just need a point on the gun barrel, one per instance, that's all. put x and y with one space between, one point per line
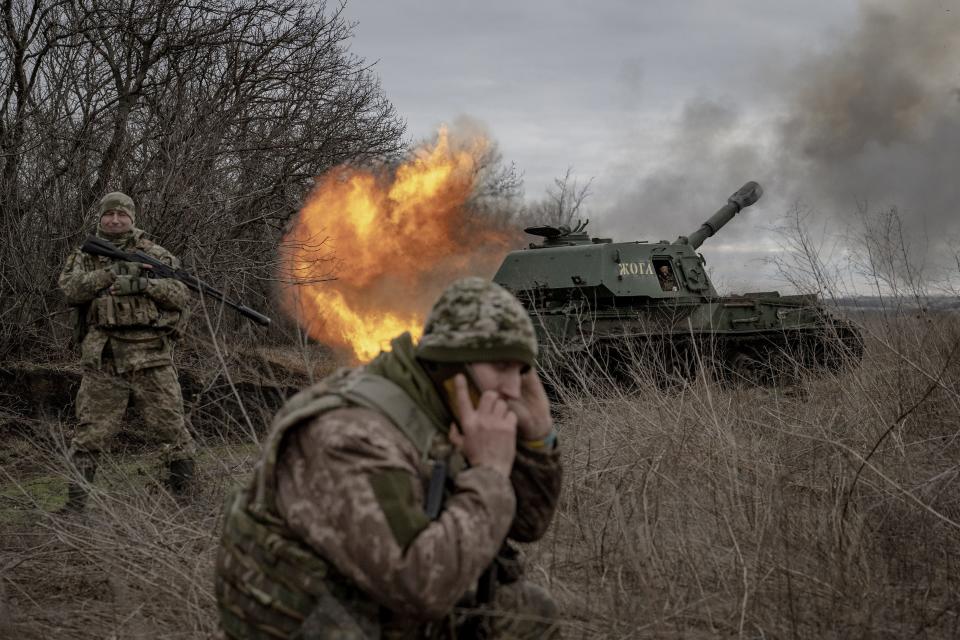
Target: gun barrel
743 198
256 316
99 247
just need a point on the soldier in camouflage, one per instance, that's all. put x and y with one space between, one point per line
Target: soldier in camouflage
128 326
666 278
385 495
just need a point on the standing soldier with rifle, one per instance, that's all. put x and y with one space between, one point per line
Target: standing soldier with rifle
127 324
385 495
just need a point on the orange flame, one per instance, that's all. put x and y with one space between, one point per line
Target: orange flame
399 236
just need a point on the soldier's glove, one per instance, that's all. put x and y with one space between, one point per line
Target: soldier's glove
124 268
129 285
103 278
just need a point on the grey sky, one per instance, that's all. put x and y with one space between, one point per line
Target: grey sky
670 106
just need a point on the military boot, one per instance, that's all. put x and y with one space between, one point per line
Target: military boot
77 492
181 476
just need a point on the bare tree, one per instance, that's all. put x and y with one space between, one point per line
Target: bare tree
214 116
887 258
807 257
562 204
498 190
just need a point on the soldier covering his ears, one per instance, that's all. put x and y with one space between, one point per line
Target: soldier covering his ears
129 324
384 495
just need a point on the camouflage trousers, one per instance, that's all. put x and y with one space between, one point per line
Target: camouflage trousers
521 611
103 399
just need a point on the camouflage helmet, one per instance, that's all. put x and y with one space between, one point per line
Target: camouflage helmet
475 320
120 201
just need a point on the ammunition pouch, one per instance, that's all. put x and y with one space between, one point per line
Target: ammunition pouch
269 584
129 354
122 311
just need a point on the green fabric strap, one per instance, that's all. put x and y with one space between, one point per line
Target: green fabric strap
400 366
307 404
393 385
393 489
383 396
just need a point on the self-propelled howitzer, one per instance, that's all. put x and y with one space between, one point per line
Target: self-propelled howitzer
627 303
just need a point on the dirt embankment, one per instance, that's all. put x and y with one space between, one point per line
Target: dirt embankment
226 398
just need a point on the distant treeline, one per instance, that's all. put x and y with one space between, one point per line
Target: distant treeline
929 303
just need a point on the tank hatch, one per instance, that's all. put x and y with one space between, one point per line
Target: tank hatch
561 236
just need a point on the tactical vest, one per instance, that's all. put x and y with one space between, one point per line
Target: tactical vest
270 584
114 312
126 312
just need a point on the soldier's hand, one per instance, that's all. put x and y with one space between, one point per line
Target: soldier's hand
108 275
132 269
129 285
489 430
534 421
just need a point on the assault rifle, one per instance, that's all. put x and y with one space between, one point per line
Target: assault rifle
99 247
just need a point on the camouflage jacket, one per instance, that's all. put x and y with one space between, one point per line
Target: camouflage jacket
329 491
346 489
136 328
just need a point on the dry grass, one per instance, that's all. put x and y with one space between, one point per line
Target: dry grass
701 511
709 512
136 565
